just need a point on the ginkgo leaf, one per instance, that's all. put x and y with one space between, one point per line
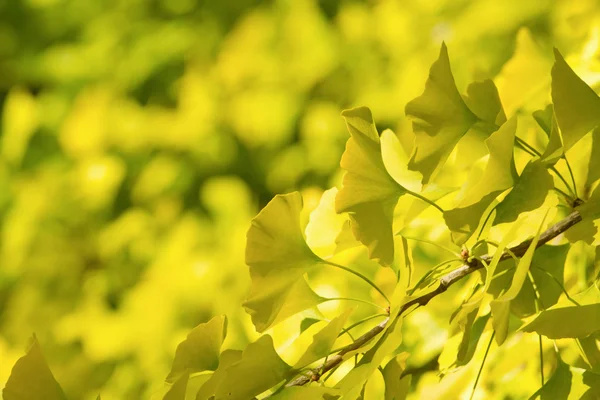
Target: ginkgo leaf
440 118
368 193
345 239
566 322
179 388
558 386
524 78
554 149
259 369
31 378
323 341
278 257
585 230
470 339
590 351
528 194
304 393
226 359
591 208
576 105
593 169
396 386
500 174
324 225
501 305
483 100
396 160
200 350
544 118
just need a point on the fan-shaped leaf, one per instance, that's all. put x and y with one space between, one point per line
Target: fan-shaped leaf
177 391
501 306
483 100
500 174
31 378
440 118
396 386
278 258
558 386
369 193
566 322
528 193
576 105
227 359
323 341
259 369
200 350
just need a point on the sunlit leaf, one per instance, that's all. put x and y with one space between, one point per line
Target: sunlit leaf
591 208
305 393
585 231
483 100
554 149
259 369
396 160
566 322
227 359
501 305
470 339
323 341
558 386
500 174
278 258
576 105
590 351
396 386
345 239
440 118
324 225
31 378
369 193
179 388
307 323
593 168
528 193
200 350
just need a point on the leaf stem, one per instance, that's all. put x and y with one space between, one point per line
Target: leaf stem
486 221
425 199
361 276
482 364
541 360
362 321
439 246
559 284
353 299
572 176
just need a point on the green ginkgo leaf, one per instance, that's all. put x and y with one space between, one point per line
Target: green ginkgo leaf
547 121
259 369
558 386
566 322
500 174
473 330
200 350
278 257
528 194
396 385
226 359
501 305
576 105
179 388
323 341
304 393
483 100
440 119
31 378
369 193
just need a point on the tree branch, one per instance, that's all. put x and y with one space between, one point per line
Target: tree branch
444 283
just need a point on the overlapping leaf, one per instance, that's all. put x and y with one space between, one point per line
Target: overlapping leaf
396 386
566 322
323 341
278 258
440 118
500 174
528 194
369 193
501 305
259 369
576 105
558 386
31 378
200 350
226 359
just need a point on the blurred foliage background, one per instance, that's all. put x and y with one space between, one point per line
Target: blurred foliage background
138 138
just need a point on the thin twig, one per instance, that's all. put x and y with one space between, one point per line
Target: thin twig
444 283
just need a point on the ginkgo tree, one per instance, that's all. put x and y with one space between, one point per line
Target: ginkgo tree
511 230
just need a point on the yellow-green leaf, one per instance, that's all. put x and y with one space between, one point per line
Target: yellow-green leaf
576 105
500 174
440 118
566 322
323 341
226 359
200 350
558 386
278 257
177 391
305 393
501 306
528 193
259 369
31 378
396 386
483 100
369 193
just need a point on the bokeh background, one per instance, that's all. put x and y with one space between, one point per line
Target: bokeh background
139 137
